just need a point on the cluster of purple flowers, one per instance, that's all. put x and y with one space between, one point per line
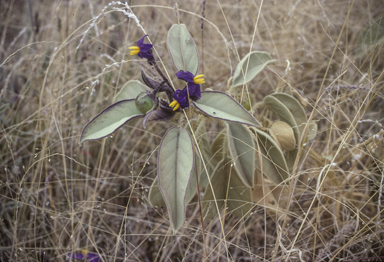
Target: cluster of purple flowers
190 91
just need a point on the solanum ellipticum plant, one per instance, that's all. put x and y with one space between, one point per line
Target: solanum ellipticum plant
224 169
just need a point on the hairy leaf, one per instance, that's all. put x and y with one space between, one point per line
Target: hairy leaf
130 90
174 168
242 149
271 196
156 198
273 163
295 108
227 186
221 106
200 131
110 119
218 147
251 65
285 115
182 48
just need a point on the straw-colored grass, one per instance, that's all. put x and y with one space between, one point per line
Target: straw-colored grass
57 197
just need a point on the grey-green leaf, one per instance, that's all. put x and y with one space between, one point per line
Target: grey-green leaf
200 131
110 119
285 115
225 179
242 149
273 162
221 106
218 147
251 65
130 90
174 166
182 48
209 162
296 109
156 198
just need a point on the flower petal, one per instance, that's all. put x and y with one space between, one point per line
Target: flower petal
186 76
141 41
194 91
181 96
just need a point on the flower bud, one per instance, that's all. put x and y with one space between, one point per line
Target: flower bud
283 134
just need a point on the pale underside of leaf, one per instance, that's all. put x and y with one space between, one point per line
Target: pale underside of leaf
250 66
285 115
295 108
221 106
242 149
110 119
156 198
273 164
200 132
226 186
218 146
175 162
182 48
130 90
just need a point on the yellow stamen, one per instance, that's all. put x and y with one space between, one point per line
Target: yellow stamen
84 252
134 50
199 79
175 105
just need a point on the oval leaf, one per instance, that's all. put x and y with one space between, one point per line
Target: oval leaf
226 181
252 64
156 198
218 147
209 162
242 149
296 109
182 48
221 106
174 166
273 162
285 115
130 90
200 131
110 119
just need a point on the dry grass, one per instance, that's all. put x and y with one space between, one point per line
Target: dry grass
57 197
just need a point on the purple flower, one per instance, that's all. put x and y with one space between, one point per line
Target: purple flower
142 50
85 255
192 89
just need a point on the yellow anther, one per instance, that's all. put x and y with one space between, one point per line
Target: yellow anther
175 105
84 252
199 79
134 50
